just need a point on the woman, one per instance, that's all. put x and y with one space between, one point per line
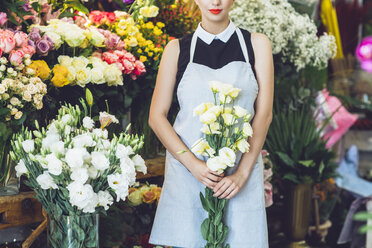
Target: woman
219 51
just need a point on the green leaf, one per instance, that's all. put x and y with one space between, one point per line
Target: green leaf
362 216
222 204
218 218
204 202
205 228
321 167
78 6
307 163
291 177
286 159
365 229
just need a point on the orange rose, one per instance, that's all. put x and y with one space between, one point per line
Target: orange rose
149 196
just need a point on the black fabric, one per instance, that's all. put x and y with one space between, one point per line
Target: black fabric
216 55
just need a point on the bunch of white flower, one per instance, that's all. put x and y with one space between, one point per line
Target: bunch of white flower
230 124
60 32
78 161
19 88
84 70
291 34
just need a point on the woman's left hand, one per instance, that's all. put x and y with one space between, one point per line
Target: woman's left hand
229 186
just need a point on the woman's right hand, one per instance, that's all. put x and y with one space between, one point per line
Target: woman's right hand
204 175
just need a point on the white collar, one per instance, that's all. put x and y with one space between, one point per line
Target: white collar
208 37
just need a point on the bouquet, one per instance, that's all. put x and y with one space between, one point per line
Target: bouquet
226 128
75 169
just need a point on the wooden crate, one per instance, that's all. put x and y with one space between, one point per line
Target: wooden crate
21 209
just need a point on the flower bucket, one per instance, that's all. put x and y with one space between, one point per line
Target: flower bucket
73 231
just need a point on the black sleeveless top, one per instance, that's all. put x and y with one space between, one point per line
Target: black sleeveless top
215 55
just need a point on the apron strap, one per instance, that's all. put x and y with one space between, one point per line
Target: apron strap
192 47
242 44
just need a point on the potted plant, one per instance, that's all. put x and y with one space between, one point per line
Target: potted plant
300 159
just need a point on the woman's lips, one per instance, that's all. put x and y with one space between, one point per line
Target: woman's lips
215 11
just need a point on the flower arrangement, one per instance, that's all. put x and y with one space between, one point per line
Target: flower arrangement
226 128
144 194
292 35
364 54
74 167
81 71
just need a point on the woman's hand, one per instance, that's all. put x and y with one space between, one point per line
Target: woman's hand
229 186
204 175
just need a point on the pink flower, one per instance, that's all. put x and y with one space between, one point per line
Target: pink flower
130 57
110 57
20 39
112 41
7 43
267 174
15 57
120 66
1 52
97 17
29 50
3 18
120 45
128 66
120 53
111 17
268 194
139 68
264 153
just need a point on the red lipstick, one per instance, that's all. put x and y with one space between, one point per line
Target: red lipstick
215 11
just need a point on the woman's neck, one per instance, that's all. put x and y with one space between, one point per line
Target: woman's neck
215 27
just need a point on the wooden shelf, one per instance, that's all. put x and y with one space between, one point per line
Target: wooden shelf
155 168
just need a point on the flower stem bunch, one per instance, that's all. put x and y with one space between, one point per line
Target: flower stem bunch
226 127
73 166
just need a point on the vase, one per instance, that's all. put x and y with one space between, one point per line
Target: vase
9 183
298 208
73 231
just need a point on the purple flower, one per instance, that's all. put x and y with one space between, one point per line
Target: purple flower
49 40
364 50
42 47
31 43
3 18
128 1
34 35
112 41
27 6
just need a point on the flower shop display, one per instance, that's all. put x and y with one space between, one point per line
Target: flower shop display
21 94
76 171
292 35
226 128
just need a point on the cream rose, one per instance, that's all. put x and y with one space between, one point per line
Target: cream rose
201 108
200 146
216 164
247 130
97 76
243 145
240 112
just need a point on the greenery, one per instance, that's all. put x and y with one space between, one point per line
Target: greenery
296 146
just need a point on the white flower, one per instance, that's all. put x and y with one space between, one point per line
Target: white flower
200 146
66 119
106 119
247 130
49 140
82 76
139 164
83 140
105 199
56 39
58 147
97 76
21 168
28 145
88 122
46 181
65 60
73 38
79 175
75 157
92 172
228 155
119 183
234 92
240 112
214 127
123 151
216 164
99 161
201 108
128 169
83 196
243 145
208 117
54 164
229 119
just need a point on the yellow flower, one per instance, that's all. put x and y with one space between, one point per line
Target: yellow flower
135 197
149 11
160 24
149 25
150 54
157 31
139 50
60 76
143 59
41 68
132 42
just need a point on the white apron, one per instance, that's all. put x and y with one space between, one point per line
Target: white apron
180 214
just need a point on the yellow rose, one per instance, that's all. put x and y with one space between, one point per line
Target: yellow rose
18 115
41 69
60 76
149 11
143 59
135 197
132 42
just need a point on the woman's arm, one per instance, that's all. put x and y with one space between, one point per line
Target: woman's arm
160 104
231 185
